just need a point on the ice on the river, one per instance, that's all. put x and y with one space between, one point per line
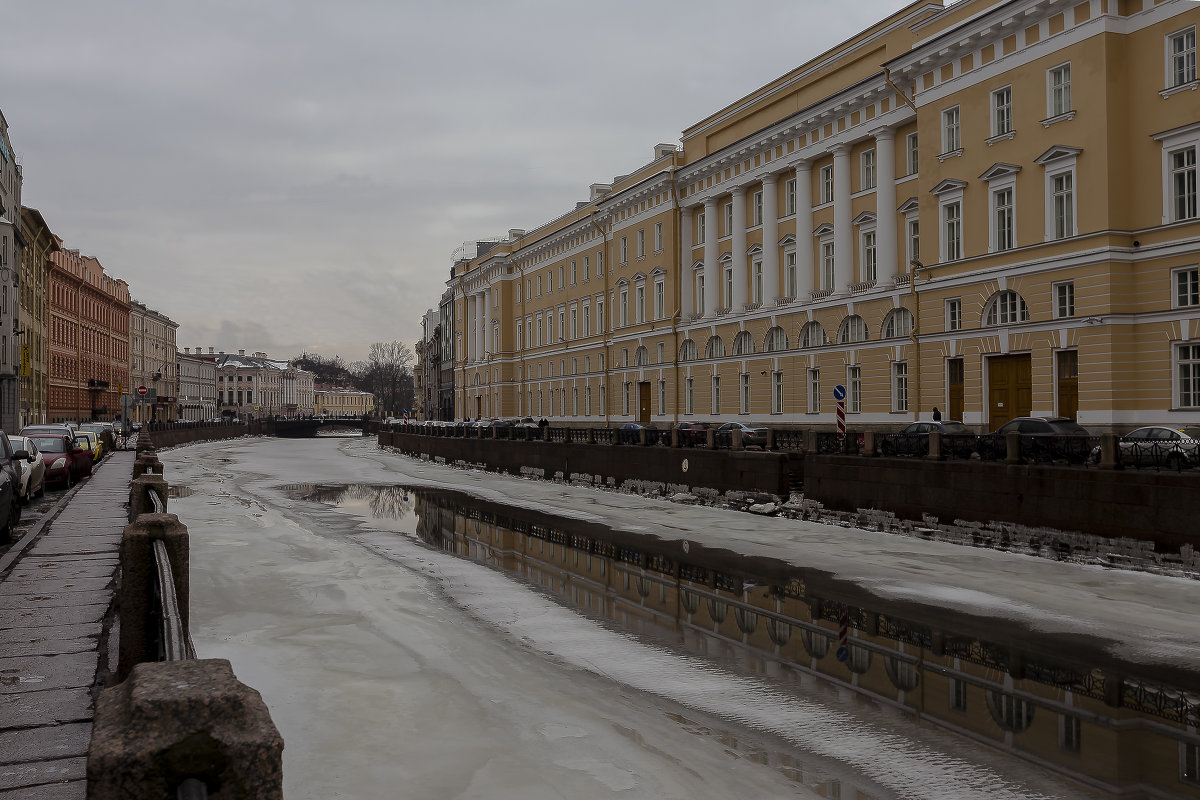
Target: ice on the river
394 670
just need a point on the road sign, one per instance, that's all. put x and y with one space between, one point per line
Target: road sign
839 394
142 390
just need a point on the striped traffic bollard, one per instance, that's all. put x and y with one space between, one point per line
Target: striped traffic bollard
843 651
839 394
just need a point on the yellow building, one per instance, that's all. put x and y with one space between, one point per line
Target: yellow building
989 207
344 403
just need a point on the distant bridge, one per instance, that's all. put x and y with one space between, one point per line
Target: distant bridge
307 428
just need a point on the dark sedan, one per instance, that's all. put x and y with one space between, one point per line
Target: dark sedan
914 439
752 435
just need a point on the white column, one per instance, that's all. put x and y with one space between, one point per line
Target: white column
477 331
489 340
738 301
885 206
686 284
804 231
712 270
843 228
483 325
770 244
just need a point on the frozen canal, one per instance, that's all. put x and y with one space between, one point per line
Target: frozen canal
394 669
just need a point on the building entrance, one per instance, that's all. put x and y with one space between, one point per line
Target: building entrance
1010 388
644 402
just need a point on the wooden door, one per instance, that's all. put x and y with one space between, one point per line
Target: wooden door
955 381
1010 388
1068 383
644 402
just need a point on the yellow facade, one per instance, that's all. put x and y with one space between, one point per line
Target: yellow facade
990 208
344 403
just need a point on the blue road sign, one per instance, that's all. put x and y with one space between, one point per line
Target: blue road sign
843 654
839 392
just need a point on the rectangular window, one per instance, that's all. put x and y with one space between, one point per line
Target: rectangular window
745 393
827 184
599 316
1182 49
776 392
716 394
789 272
789 197
700 228
729 219
757 277
689 396
641 243
952 227
600 264
628 396
913 153
1063 189
954 314
958 694
1183 184
1002 111
1064 300
662 396
1002 211
1187 287
562 282
658 237
700 292
1068 733
951 136
624 250
1189 376
549 282
574 323
640 303
866 162
758 208
660 299
814 391
574 273
900 386
914 240
624 308
1189 762
854 389
660 354
587 320
827 265
870 264
539 285
1059 99
728 287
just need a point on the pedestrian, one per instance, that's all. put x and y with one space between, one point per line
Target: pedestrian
937 415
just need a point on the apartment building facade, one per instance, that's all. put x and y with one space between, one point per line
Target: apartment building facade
153 364
38 243
336 402
10 270
197 386
988 207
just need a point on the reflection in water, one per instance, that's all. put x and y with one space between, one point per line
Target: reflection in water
1117 735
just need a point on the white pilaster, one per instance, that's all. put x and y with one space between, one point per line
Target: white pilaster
804 231
843 228
686 284
885 206
712 270
738 301
770 243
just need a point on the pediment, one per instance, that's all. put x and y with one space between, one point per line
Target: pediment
1056 152
949 185
865 218
1000 170
910 205
823 230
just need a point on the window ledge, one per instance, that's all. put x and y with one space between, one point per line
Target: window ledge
951 154
1000 138
1183 87
1067 117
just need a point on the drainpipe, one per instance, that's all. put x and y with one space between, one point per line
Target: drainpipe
887 77
917 266
604 337
680 272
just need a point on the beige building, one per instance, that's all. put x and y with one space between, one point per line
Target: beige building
257 386
197 386
38 242
10 270
333 402
988 207
153 364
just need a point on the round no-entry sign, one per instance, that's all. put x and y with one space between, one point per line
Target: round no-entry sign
142 390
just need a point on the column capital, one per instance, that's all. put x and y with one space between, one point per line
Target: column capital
883 134
802 165
710 202
770 177
739 190
840 149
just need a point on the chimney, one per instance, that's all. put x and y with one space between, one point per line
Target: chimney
187 351
241 352
210 351
598 190
515 233
663 151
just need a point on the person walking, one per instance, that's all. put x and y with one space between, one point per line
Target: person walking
937 415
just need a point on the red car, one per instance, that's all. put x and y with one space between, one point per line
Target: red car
66 461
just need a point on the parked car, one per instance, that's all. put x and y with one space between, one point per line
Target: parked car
32 479
693 434
1042 439
630 432
66 462
914 439
752 435
1170 446
93 443
10 501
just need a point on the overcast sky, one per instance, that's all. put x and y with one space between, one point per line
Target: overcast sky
294 176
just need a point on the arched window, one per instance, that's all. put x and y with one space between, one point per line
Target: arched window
715 348
813 335
642 357
1011 713
1006 308
853 329
899 322
902 674
817 644
743 344
687 351
776 340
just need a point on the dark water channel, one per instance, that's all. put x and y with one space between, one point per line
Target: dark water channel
1118 729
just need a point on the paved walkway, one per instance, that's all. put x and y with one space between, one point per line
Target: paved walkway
56 586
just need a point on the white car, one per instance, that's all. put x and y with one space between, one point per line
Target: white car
32 482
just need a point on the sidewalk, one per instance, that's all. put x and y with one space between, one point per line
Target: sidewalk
56 587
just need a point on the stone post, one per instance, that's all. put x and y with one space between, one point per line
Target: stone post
1012 444
139 501
770 439
1108 451
869 448
674 437
137 578
179 720
735 441
935 446
641 436
810 440
710 438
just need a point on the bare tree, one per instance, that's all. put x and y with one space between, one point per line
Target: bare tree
387 374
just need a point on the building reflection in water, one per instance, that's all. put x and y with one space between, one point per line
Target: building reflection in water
1114 734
